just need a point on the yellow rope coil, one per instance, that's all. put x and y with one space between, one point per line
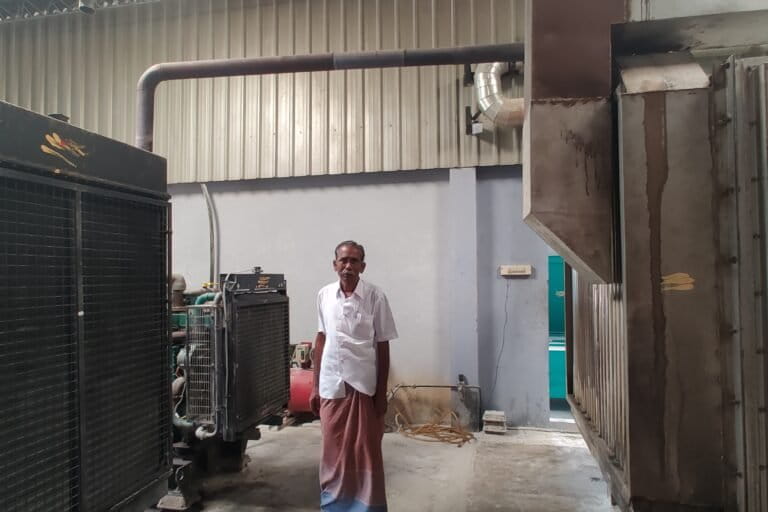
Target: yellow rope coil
434 432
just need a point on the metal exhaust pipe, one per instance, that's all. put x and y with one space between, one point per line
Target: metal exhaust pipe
159 73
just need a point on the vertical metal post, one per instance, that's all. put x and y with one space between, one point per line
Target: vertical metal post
568 329
80 329
168 232
762 349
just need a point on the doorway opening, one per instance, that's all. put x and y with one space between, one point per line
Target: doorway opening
560 414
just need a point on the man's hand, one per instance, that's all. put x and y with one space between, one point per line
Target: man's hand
382 375
317 359
380 404
314 402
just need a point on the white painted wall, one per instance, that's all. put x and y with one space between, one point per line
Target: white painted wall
291 226
522 387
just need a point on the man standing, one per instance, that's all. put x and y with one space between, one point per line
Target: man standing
351 363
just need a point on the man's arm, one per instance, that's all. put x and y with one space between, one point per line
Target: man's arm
317 358
382 375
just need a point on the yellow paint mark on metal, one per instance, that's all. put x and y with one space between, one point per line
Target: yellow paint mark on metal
53 152
679 282
58 148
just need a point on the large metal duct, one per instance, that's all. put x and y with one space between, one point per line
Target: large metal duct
568 178
501 110
669 379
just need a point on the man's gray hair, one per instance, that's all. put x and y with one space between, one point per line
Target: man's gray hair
352 244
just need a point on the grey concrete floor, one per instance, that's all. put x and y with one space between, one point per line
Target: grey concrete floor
524 470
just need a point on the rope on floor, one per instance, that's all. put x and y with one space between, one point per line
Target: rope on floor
434 432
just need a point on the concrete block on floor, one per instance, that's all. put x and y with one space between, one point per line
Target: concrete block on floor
494 422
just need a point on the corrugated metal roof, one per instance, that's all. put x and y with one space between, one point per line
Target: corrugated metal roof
257 127
13 10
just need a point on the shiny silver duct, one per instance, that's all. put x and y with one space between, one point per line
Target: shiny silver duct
498 108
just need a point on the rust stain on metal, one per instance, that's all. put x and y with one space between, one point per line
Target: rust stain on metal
590 157
569 102
658 171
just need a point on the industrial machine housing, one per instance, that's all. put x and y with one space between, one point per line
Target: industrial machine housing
236 356
232 352
84 319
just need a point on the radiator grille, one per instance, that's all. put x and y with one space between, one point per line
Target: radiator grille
38 349
262 344
201 326
126 381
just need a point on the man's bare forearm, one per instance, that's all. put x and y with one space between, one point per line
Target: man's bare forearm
382 370
317 358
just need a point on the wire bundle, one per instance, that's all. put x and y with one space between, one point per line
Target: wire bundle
434 432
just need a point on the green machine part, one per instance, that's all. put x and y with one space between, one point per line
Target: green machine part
557 371
179 321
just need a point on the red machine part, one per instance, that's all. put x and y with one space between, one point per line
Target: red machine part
301 388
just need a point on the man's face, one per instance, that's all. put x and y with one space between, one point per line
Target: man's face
348 264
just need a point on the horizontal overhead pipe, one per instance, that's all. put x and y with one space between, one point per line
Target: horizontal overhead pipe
159 73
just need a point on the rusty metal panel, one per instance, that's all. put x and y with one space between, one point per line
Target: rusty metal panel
723 133
292 125
567 138
568 193
670 267
552 26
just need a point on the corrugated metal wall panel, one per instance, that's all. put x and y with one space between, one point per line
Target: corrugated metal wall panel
600 364
271 126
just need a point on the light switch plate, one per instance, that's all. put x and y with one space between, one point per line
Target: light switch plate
515 270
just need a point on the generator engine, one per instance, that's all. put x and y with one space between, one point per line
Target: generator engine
231 375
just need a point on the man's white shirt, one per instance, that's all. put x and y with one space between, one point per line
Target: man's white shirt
352 326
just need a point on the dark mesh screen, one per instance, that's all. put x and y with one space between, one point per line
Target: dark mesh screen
262 378
126 379
38 349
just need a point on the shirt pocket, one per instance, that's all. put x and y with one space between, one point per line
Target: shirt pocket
362 326
356 325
